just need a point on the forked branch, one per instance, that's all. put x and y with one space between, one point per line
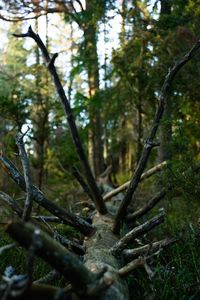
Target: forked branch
97 198
135 233
148 252
149 144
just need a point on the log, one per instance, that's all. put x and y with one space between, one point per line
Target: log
99 257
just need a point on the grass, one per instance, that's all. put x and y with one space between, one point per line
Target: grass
177 269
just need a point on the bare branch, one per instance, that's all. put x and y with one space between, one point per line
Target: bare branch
156 248
82 182
147 207
66 217
83 280
47 219
27 176
150 141
97 198
48 278
144 175
148 249
80 4
70 245
136 232
11 203
6 247
130 267
52 252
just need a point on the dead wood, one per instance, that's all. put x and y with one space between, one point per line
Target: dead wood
145 175
146 208
148 249
136 232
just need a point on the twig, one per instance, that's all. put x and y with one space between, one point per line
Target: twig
51 219
27 176
142 260
70 245
6 247
136 232
97 198
150 141
145 175
11 203
148 249
68 218
48 278
147 207
130 267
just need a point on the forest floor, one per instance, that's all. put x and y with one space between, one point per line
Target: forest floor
175 271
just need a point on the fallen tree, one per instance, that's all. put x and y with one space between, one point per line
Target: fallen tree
103 270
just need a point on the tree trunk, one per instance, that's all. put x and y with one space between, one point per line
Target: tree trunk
40 115
91 60
98 257
164 152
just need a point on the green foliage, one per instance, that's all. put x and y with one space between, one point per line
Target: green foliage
176 269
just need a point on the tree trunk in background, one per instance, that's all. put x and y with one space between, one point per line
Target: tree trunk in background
139 145
40 115
164 151
91 59
123 144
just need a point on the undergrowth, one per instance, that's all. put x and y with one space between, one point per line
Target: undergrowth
176 269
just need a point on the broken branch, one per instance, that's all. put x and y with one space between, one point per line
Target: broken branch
145 175
52 252
148 249
136 232
147 207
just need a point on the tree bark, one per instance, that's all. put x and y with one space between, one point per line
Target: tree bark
164 151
